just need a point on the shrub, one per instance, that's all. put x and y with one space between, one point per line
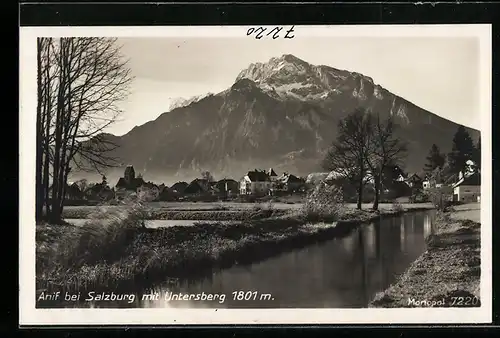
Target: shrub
419 198
103 237
324 202
440 197
270 205
257 207
397 207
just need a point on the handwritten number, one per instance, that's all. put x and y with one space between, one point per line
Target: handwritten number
288 32
259 32
276 34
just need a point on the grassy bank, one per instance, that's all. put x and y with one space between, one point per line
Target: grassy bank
218 211
122 254
450 268
215 214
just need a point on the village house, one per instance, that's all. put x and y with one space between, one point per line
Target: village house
168 194
227 187
401 177
414 180
436 181
148 191
128 184
99 192
161 187
427 182
433 179
290 183
256 182
199 186
395 173
468 188
272 175
179 187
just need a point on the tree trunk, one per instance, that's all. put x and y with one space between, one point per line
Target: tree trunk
56 181
48 117
65 179
377 193
360 193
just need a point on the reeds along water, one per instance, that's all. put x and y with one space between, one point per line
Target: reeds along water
220 257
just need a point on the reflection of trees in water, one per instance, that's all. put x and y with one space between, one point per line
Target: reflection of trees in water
369 232
364 275
402 234
427 226
390 246
348 243
377 240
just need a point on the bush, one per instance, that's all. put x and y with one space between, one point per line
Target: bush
418 196
103 237
270 205
440 197
324 202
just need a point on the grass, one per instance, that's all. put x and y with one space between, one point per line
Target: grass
120 253
151 254
225 210
451 267
258 211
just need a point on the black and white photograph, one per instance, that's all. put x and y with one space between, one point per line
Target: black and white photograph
253 174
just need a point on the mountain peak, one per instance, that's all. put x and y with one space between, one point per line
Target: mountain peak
290 58
276 67
289 77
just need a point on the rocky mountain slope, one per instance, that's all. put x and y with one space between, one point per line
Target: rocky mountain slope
281 114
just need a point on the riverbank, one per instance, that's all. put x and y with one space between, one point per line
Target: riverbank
223 211
122 254
257 212
447 274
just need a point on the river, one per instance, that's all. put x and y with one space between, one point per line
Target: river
342 272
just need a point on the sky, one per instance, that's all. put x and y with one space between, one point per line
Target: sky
437 74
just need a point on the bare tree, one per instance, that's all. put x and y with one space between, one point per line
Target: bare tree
384 149
39 127
81 82
47 72
348 152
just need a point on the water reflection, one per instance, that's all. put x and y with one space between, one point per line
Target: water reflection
402 237
340 273
427 226
370 241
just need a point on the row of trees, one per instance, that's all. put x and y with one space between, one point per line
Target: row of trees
80 82
463 150
365 147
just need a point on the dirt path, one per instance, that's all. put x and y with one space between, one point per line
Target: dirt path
471 211
448 273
